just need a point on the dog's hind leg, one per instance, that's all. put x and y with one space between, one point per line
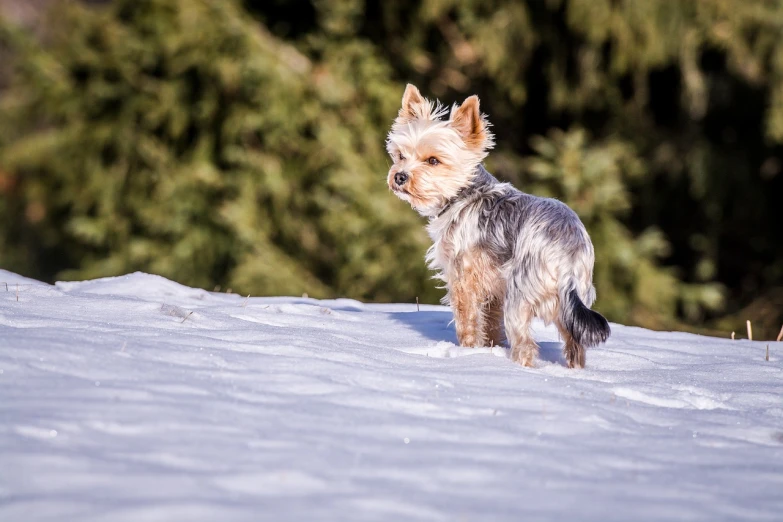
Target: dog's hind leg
493 321
574 352
518 317
580 327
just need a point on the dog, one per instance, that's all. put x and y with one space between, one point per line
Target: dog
505 256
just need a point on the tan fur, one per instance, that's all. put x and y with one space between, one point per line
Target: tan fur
427 184
524 349
420 134
412 105
574 354
467 120
494 322
475 286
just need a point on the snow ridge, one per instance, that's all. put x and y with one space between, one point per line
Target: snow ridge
137 398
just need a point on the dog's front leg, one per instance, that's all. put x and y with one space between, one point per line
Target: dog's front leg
467 295
493 321
466 305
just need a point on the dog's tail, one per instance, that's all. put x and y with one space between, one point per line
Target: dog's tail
587 327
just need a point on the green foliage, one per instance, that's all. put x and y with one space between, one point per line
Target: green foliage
241 144
179 137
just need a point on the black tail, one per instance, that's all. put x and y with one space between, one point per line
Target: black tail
588 328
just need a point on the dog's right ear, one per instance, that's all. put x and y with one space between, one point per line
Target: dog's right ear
412 101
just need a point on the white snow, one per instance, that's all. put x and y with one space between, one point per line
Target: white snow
135 398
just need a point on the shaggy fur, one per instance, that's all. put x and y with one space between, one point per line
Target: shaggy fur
505 256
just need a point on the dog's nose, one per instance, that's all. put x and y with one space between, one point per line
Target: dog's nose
400 178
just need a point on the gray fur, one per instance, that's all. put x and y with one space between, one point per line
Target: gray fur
542 248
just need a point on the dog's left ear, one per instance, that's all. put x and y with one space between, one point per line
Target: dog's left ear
468 121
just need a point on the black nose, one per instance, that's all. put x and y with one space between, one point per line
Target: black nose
400 178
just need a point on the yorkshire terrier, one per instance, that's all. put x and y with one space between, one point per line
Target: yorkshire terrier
504 255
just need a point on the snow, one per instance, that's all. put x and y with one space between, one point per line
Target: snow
136 398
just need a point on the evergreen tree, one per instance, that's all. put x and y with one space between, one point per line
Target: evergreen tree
191 140
180 138
691 88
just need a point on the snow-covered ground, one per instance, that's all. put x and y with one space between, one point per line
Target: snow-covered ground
136 398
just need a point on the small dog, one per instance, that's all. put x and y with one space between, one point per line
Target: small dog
504 255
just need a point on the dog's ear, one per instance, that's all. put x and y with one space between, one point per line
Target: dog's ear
412 100
468 121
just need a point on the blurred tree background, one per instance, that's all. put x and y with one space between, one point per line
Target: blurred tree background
219 142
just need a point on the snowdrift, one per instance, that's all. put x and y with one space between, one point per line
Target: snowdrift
136 398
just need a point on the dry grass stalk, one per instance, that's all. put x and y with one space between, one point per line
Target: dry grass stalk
732 336
418 310
186 317
750 330
780 335
767 357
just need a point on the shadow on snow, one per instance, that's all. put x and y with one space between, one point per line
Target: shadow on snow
438 326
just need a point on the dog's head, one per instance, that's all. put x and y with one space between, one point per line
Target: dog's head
434 157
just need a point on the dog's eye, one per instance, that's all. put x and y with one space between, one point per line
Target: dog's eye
400 156
433 161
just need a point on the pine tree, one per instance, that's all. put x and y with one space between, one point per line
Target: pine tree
242 144
180 138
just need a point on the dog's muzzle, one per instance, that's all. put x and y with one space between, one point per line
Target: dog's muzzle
400 178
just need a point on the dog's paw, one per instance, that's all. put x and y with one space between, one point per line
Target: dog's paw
526 356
